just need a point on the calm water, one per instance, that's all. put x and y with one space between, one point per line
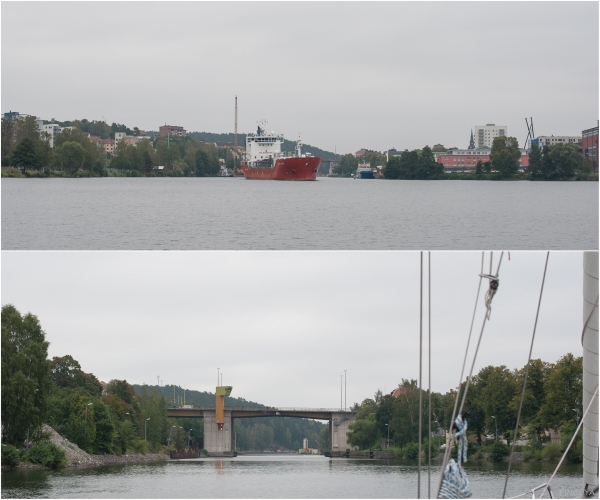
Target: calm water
276 477
213 213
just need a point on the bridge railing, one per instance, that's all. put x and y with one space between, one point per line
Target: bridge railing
266 408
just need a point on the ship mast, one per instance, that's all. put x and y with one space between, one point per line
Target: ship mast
235 141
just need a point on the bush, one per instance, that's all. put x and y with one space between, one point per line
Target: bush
551 452
10 456
47 454
140 446
498 451
412 451
528 453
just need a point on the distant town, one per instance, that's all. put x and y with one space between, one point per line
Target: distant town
35 147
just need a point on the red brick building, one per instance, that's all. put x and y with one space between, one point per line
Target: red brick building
171 130
589 147
466 159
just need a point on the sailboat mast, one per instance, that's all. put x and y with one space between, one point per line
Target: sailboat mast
590 369
235 141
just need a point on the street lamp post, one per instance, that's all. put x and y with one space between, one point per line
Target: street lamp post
189 439
169 441
86 407
577 410
145 422
387 444
496 421
123 428
345 392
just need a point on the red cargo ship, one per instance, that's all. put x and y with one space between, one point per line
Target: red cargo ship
264 159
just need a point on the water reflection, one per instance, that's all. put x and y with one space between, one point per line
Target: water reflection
275 477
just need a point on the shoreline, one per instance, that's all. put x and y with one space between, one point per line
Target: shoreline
77 458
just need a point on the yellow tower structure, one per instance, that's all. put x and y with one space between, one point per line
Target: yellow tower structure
221 392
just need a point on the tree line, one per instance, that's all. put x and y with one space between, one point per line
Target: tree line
556 162
74 153
552 401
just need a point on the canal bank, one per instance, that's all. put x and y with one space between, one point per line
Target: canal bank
76 457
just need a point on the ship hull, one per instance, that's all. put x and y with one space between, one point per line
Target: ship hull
286 169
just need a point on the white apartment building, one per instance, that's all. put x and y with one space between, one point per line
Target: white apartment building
53 129
550 140
485 134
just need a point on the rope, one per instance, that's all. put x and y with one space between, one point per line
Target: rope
420 379
525 378
449 442
572 439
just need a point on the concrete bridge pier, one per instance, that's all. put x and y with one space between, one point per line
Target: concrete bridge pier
339 427
218 442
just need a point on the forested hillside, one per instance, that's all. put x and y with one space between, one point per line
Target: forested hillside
241 140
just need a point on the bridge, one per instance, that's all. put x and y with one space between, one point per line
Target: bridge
218 428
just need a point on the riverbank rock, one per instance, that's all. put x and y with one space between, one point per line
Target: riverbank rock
76 457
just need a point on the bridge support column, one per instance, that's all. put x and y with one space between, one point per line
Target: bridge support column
339 428
218 442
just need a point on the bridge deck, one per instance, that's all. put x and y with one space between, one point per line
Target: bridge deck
247 412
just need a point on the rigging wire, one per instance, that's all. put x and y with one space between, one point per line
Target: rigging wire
493 284
488 305
429 362
525 377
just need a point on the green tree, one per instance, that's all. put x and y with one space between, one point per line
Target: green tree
346 166
201 163
535 393
79 425
392 168
71 156
498 389
563 389
103 440
428 167
26 380
409 165
92 150
548 168
8 138
65 370
364 432
147 161
26 155
479 168
566 160
535 162
505 156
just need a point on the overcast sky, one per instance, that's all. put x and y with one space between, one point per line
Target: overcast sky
283 326
344 75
